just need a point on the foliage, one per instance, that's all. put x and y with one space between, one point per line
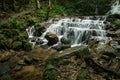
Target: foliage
3 44
26 46
31 21
10 32
40 13
50 74
17 45
21 37
16 24
57 10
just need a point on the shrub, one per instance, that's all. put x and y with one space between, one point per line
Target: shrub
16 24
27 46
21 37
3 44
50 74
17 45
10 32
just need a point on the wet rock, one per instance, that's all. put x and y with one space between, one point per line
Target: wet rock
111 34
65 41
52 38
113 43
39 41
40 31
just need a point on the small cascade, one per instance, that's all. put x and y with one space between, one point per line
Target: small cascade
78 31
115 8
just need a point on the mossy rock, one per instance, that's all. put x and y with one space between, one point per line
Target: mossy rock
17 45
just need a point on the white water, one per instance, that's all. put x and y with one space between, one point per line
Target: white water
78 31
115 8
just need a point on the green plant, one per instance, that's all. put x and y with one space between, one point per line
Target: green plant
17 45
27 46
10 32
16 24
21 37
50 74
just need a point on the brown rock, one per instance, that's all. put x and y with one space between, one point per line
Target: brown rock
52 38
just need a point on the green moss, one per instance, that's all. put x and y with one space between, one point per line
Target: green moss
17 45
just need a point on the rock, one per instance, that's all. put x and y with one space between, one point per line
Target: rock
74 51
6 77
111 34
113 43
4 68
25 73
27 60
118 32
52 38
21 62
40 31
65 41
5 56
14 61
62 47
39 41
110 51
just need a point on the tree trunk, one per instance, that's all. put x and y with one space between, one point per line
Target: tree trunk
3 5
48 11
13 5
37 4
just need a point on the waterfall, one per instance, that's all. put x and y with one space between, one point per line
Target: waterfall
78 31
115 8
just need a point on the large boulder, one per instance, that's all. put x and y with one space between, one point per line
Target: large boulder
52 38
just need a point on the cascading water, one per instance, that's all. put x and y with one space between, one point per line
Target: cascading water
115 8
78 31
